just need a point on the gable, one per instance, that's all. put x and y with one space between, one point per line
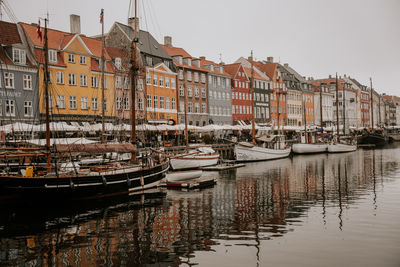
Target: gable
76 44
162 67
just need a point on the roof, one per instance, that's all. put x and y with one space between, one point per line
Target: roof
55 37
255 74
295 73
267 68
9 33
204 62
147 43
232 69
176 51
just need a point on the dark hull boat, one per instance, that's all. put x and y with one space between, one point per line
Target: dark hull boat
372 139
92 184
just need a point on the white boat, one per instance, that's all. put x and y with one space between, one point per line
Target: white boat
202 157
177 176
339 148
248 152
309 148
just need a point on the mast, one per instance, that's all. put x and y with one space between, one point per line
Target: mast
102 77
320 105
253 126
372 105
279 97
46 94
305 119
337 107
134 70
185 110
344 110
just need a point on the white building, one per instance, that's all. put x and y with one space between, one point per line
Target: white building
327 105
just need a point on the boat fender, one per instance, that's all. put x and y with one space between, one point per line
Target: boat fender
128 181
71 185
104 180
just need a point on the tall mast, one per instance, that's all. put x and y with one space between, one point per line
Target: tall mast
46 95
337 107
305 118
344 110
253 126
102 77
185 110
134 70
320 105
279 96
372 105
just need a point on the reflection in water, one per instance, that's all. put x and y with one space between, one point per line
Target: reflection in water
249 208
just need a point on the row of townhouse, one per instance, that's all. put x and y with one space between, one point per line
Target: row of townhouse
170 82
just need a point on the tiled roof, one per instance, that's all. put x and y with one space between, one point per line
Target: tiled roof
9 33
204 62
176 51
268 68
4 58
232 69
255 74
40 58
54 36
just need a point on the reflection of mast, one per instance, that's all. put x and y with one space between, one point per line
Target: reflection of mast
374 179
340 198
323 192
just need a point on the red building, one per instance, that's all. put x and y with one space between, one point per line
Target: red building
365 104
241 95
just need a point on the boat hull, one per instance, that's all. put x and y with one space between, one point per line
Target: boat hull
244 153
177 176
372 139
309 148
88 186
193 161
341 148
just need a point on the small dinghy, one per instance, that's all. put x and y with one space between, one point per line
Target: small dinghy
176 176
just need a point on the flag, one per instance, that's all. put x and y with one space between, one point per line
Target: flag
39 31
101 15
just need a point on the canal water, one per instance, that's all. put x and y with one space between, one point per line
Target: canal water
317 210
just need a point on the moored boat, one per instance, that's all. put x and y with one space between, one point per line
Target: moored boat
175 176
309 148
203 157
248 152
341 148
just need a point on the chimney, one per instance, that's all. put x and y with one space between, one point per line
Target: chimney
330 76
203 58
270 59
131 23
168 41
75 24
286 65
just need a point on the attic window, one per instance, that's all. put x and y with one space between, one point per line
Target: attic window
19 56
53 56
118 63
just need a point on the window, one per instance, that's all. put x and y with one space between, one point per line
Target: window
82 60
60 101
167 103
126 103
140 103
71 58
149 104
203 108
118 63
1 107
203 92
71 79
60 77
83 80
139 84
149 61
173 103
95 82
181 107
95 105
180 74
196 77
27 82
84 102
105 83
190 92
154 79
190 107
49 76
173 83
105 104
118 82
197 108
189 76
197 92
127 82
203 78
10 108
161 80
166 82
52 56
148 78
19 56
155 101
119 103
181 91
161 102
9 79
72 102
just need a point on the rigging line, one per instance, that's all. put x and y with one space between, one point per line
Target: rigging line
9 11
156 21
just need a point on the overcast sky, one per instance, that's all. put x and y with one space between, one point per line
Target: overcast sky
360 38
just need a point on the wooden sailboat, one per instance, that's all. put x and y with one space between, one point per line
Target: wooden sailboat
61 180
253 152
307 148
338 147
195 157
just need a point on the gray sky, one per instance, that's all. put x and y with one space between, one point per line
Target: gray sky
360 38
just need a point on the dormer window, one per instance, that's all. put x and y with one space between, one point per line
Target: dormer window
19 56
149 61
52 56
212 67
187 61
118 63
71 58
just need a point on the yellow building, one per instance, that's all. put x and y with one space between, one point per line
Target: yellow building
75 76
